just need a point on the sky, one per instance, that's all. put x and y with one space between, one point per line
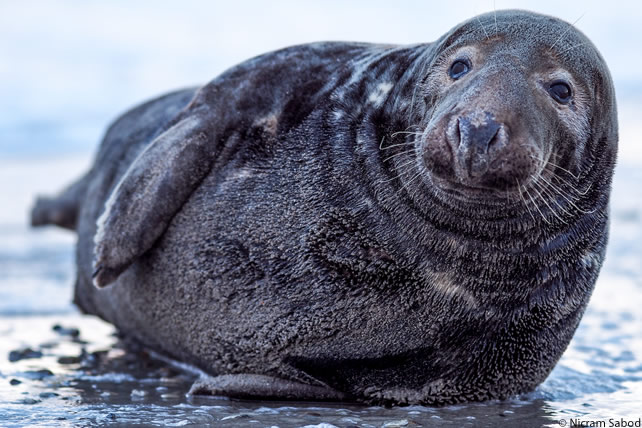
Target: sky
68 67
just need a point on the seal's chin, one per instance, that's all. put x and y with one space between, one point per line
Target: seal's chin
471 193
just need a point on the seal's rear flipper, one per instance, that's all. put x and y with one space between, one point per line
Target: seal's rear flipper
62 210
253 386
153 189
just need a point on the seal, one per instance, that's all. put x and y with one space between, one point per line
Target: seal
348 221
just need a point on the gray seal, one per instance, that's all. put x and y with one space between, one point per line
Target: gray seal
349 221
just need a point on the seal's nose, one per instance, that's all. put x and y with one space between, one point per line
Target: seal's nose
472 140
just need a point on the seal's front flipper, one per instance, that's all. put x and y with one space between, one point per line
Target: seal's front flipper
253 386
61 210
153 189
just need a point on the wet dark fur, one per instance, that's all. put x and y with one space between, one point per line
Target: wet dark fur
280 243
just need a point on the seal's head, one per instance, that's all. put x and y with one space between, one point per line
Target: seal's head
512 99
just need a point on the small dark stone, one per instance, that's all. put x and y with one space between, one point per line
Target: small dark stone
37 374
30 401
22 354
15 382
111 416
48 394
66 331
48 345
69 360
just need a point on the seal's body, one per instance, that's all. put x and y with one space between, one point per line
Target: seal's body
393 224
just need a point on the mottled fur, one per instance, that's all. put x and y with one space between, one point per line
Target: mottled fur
258 227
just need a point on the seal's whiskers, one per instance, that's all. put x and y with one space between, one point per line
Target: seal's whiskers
536 186
414 91
572 47
549 162
570 185
567 183
580 193
495 13
410 181
536 206
559 190
399 154
566 31
519 188
571 201
394 134
398 175
548 192
398 144
483 28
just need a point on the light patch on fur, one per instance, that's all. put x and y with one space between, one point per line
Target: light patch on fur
378 96
478 118
360 67
591 260
443 283
102 220
242 174
269 123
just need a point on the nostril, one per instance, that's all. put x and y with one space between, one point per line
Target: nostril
494 140
478 135
499 139
453 134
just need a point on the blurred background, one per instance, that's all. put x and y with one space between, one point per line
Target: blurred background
69 67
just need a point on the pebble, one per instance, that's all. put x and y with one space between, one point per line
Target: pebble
37 374
69 360
23 354
64 331
48 394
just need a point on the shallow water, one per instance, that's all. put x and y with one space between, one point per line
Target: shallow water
85 378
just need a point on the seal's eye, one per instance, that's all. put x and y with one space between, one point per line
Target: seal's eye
560 91
458 69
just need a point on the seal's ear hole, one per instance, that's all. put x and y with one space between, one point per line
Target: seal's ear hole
561 91
459 68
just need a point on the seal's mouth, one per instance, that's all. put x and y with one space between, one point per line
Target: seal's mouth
472 193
